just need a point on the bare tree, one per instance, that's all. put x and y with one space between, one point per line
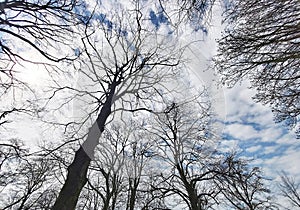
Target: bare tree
242 186
35 33
111 168
290 189
107 177
263 46
138 159
42 25
196 13
183 146
119 176
129 70
24 178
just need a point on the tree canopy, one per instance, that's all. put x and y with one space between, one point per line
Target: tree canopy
261 43
122 121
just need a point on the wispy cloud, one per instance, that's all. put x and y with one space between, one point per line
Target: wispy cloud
250 128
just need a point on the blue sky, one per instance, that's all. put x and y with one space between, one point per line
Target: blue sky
249 128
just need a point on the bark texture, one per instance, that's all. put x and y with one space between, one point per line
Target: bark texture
77 171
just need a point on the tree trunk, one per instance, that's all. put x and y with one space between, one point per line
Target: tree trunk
77 171
192 194
133 185
75 181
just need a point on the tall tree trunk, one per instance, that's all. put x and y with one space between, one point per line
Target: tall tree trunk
133 185
75 181
192 194
77 171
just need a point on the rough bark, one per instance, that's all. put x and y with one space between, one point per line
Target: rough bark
75 181
77 171
192 194
133 185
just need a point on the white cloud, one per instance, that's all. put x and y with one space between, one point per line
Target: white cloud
254 148
288 139
240 131
270 134
270 149
239 104
251 125
228 146
289 162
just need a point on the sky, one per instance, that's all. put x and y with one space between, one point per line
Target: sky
251 132
248 127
